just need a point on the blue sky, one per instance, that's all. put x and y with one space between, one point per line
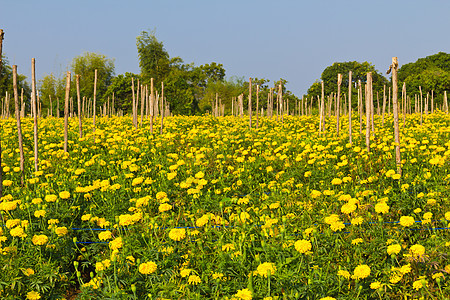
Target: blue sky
294 40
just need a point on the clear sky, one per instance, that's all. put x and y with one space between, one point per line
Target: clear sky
294 40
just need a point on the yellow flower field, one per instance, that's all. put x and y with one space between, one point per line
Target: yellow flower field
211 209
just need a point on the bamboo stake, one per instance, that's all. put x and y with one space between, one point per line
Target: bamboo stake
404 103
384 103
445 102
360 107
33 109
350 107
80 125
66 111
368 104
420 105
393 68
19 127
257 106
280 92
162 106
250 103
134 97
95 100
152 100
142 104
338 99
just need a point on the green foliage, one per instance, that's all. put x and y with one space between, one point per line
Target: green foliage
85 66
432 73
359 72
6 84
153 58
50 86
123 94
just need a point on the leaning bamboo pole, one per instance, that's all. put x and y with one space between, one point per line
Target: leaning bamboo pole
142 104
34 109
19 127
152 100
66 111
445 102
360 109
420 105
257 106
384 103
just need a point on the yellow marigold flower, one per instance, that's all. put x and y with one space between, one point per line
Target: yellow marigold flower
447 216
125 220
216 275
331 219
417 250
244 294
161 195
357 241
315 194
265 268
12 223
202 220
329 298
36 201
137 181
382 207
228 247
116 243
274 205
39 240
185 272
86 217
375 285
147 268
336 181
194 280
344 273
303 246
61 231
7 182
396 176
39 213
171 175
64 195
389 173
177 234
28 271
337 226
437 275
33 295
18 231
164 207
50 198
405 269
406 221
357 220
418 284
394 249
361 272
348 208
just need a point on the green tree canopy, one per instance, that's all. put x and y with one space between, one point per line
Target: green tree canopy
85 66
6 84
359 72
432 73
50 86
121 87
153 58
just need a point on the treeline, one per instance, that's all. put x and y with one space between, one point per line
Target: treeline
429 76
188 89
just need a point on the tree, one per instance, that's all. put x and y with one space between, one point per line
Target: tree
6 84
50 86
153 58
359 72
121 87
432 73
85 66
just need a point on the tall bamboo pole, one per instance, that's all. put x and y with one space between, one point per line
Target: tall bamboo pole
257 106
350 107
34 110
445 102
420 105
80 126
19 127
162 108
368 109
250 103
337 108
95 97
152 100
393 68
66 111
384 103
142 104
